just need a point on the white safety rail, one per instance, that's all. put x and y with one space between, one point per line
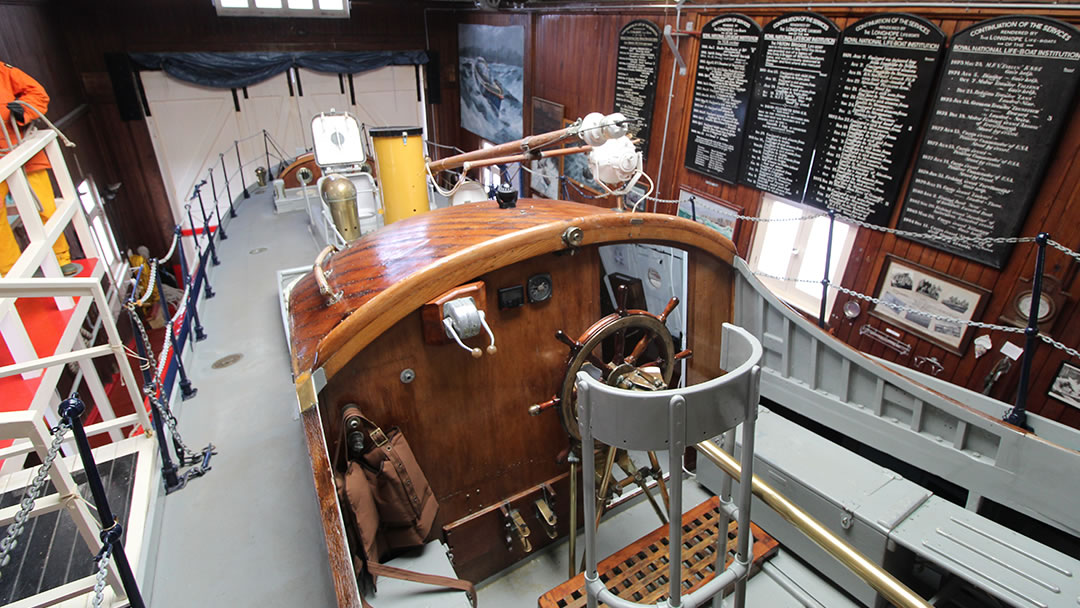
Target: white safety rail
947 435
39 253
29 428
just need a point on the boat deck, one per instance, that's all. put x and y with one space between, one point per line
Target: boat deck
248 533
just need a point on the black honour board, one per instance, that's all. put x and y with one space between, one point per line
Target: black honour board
883 77
722 86
794 66
635 76
1004 96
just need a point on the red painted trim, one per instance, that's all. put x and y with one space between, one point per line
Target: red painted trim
197 230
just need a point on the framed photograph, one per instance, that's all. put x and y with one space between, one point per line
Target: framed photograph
546 116
907 289
1066 385
636 198
576 168
718 214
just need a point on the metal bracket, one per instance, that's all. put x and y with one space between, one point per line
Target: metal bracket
935 366
879 336
308 385
545 511
515 524
669 35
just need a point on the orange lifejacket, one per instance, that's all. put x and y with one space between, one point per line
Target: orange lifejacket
17 84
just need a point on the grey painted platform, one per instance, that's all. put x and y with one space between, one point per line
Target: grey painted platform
248 533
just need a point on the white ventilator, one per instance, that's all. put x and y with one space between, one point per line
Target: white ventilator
614 159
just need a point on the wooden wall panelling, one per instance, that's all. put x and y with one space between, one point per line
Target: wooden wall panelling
486 400
31 40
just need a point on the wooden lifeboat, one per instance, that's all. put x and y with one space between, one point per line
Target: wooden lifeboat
467 418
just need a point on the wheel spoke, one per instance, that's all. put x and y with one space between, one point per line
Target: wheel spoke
605 368
620 347
639 349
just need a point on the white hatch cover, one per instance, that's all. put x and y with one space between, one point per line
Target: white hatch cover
338 140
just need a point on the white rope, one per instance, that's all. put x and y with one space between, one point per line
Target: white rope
183 303
447 193
172 248
652 186
149 284
59 133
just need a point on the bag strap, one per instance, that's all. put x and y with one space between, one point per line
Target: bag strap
420 577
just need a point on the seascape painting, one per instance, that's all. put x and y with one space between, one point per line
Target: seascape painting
545 177
491 68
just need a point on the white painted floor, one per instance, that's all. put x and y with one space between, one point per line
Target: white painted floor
248 533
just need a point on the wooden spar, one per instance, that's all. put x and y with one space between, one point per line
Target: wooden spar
520 158
519 146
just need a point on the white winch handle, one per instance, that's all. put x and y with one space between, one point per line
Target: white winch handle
320 277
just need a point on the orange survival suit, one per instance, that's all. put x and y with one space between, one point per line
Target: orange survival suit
17 85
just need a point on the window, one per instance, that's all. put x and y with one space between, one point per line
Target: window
282 8
100 230
797 249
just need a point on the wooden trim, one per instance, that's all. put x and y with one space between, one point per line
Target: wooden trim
337 547
365 316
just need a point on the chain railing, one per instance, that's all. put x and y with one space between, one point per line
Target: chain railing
1017 415
33 492
161 371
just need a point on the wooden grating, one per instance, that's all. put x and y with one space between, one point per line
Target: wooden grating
639 571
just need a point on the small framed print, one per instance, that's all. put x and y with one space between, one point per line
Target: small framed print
575 167
1066 385
914 298
718 214
546 116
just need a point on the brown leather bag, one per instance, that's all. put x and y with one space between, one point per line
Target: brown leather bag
391 505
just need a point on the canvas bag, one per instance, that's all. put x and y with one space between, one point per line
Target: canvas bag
391 506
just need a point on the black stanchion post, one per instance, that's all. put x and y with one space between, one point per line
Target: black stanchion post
825 279
71 410
201 260
206 228
266 149
1018 414
198 334
217 206
240 165
168 467
205 277
228 188
186 390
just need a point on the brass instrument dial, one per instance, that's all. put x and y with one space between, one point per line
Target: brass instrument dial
539 288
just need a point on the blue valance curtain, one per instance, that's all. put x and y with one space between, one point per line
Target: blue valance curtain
235 70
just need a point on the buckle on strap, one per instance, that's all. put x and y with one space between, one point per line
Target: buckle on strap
379 437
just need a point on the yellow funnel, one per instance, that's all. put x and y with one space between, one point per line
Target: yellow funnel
399 152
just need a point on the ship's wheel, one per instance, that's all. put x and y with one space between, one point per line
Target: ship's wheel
648 366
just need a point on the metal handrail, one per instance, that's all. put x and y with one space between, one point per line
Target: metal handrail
872 574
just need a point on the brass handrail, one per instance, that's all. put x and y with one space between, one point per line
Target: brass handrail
883 582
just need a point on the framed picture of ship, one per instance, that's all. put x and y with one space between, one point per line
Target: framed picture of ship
928 303
491 66
720 215
546 116
1066 385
